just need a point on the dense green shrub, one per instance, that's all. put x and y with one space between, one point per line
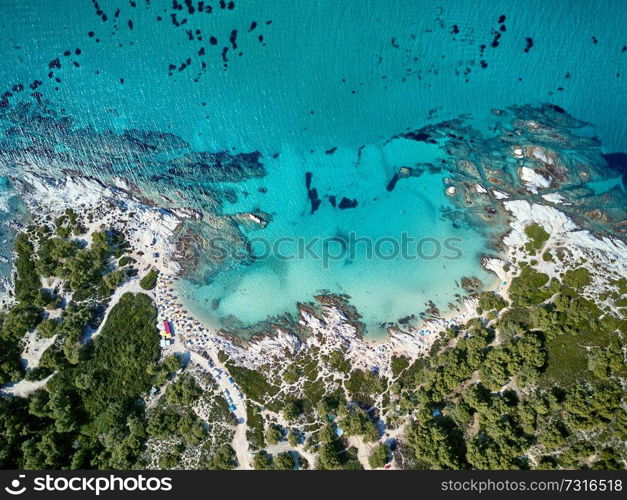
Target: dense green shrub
149 281
530 287
379 456
490 300
537 236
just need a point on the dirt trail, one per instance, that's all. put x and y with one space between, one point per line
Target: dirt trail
240 441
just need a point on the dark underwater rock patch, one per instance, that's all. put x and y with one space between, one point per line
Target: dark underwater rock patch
219 167
392 184
618 163
557 108
312 193
347 203
529 42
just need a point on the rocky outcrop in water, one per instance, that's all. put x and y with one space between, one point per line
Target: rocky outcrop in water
45 141
538 154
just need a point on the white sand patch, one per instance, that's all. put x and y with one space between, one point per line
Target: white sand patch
34 347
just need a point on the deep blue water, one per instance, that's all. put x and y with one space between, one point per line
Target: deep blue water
301 78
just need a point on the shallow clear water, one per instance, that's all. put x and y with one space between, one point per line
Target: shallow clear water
384 282
326 74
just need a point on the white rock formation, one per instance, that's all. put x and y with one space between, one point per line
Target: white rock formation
149 229
554 198
533 180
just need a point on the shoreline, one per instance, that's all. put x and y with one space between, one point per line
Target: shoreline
150 231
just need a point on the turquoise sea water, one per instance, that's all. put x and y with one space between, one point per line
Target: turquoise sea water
325 74
385 285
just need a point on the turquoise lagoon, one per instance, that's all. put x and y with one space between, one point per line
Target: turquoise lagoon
303 78
385 285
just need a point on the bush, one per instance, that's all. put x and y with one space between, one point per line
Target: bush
114 279
125 261
37 373
398 364
124 351
225 458
537 236
379 456
284 461
357 423
262 461
577 278
274 434
490 300
252 382
364 386
149 281
529 288
183 392
255 432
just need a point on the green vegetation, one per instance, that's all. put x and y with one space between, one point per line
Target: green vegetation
537 236
183 392
23 316
224 459
88 416
577 278
531 288
358 423
364 386
255 432
338 362
253 383
262 461
551 385
125 261
149 282
332 454
399 363
86 273
489 301
167 422
293 408
284 461
379 456
123 363
274 434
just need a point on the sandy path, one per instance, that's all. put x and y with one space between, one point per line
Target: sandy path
240 441
25 388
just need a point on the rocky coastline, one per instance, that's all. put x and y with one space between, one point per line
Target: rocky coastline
539 186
